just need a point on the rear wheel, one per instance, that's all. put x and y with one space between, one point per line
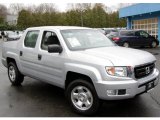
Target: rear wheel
82 97
153 44
15 77
126 44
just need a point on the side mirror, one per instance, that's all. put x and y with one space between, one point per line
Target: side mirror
54 48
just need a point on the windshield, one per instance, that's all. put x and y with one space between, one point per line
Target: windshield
113 34
79 39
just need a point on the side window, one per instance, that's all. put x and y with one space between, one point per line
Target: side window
143 34
131 33
127 33
49 38
31 39
137 33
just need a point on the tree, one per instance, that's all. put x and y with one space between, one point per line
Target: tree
31 8
98 16
3 13
46 8
79 14
25 19
1 20
82 8
76 13
115 21
15 8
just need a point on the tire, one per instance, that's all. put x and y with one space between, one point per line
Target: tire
153 44
82 97
126 44
15 77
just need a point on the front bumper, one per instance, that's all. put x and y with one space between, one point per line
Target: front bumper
132 87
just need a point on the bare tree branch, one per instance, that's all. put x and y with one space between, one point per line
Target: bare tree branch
15 8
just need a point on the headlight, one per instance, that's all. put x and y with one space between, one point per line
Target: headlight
119 71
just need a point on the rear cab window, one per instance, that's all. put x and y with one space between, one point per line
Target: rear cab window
31 38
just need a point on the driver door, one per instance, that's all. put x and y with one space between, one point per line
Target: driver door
51 64
144 38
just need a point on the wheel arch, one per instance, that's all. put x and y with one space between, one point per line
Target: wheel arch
90 73
11 59
71 76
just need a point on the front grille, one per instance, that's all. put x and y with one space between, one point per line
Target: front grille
143 71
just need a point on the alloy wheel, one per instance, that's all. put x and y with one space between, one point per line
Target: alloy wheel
81 98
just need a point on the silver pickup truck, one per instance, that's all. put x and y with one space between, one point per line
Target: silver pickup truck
82 61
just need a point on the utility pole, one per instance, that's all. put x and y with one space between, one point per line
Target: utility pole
81 17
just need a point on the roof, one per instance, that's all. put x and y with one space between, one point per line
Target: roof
131 30
139 9
58 27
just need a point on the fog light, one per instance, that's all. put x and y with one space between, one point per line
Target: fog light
111 92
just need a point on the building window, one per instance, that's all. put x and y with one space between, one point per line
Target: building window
149 25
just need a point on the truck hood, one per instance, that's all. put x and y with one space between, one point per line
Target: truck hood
120 56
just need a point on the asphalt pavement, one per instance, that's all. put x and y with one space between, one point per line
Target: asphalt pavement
38 99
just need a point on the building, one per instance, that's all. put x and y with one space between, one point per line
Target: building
145 16
11 19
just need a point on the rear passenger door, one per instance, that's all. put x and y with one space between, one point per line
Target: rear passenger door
28 53
131 38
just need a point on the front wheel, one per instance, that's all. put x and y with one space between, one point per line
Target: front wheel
82 97
15 77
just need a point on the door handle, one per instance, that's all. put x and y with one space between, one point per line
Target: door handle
39 57
21 53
